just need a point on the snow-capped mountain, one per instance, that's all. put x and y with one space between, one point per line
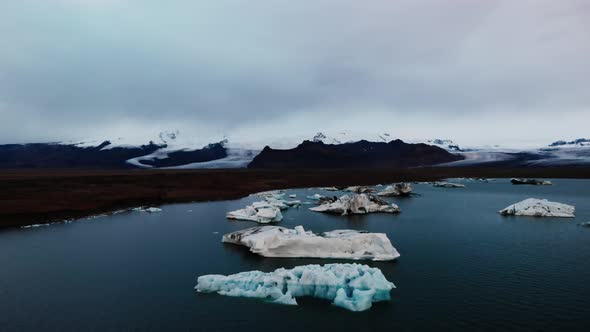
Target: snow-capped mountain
172 149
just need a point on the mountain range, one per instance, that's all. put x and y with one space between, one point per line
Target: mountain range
341 150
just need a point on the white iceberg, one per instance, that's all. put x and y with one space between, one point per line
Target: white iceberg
398 189
539 208
259 213
360 189
357 204
444 184
351 286
274 241
585 224
315 197
293 196
329 188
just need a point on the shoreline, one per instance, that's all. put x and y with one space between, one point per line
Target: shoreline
30 197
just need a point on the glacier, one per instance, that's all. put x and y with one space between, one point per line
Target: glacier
274 241
534 207
356 204
351 286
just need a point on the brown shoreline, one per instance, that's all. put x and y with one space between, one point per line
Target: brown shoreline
40 196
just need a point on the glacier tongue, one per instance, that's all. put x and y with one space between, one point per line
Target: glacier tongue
351 286
274 241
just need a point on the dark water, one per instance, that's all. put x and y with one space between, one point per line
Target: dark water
462 266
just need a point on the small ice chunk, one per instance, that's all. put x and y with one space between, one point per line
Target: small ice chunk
398 189
293 196
351 286
147 209
534 182
539 208
444 184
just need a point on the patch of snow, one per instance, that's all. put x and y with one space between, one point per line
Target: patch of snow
351 286
274 241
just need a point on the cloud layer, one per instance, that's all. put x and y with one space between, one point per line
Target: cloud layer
477 71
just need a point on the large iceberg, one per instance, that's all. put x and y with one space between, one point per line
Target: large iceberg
357 204
539 208
398 189
274 241
351 286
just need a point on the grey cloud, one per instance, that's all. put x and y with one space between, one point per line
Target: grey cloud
71 64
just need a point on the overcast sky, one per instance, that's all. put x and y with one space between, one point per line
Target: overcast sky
482 72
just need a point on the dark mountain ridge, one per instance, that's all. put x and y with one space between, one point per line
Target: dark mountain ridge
361 154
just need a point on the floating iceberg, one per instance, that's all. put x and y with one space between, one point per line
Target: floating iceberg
315 197
444 184
259 213
585 224
147 209
351 286
360 189
539 208
293 196
530 181
329 188
274 241
398 189
357 204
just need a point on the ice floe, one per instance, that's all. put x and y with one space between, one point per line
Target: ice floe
585 224
398 189
444 184
356 204
274 241
351 286
147 209
539 208
530 181
258 213
360 189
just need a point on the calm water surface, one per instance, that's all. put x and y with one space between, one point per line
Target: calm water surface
462 266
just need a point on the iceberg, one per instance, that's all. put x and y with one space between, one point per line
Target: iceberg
357 204
398 189
274 241
585 224
259 213
360 189
351 286
315 197
444 184
539 208
534 182
329 188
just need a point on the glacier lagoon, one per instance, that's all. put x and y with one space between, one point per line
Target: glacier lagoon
462 266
